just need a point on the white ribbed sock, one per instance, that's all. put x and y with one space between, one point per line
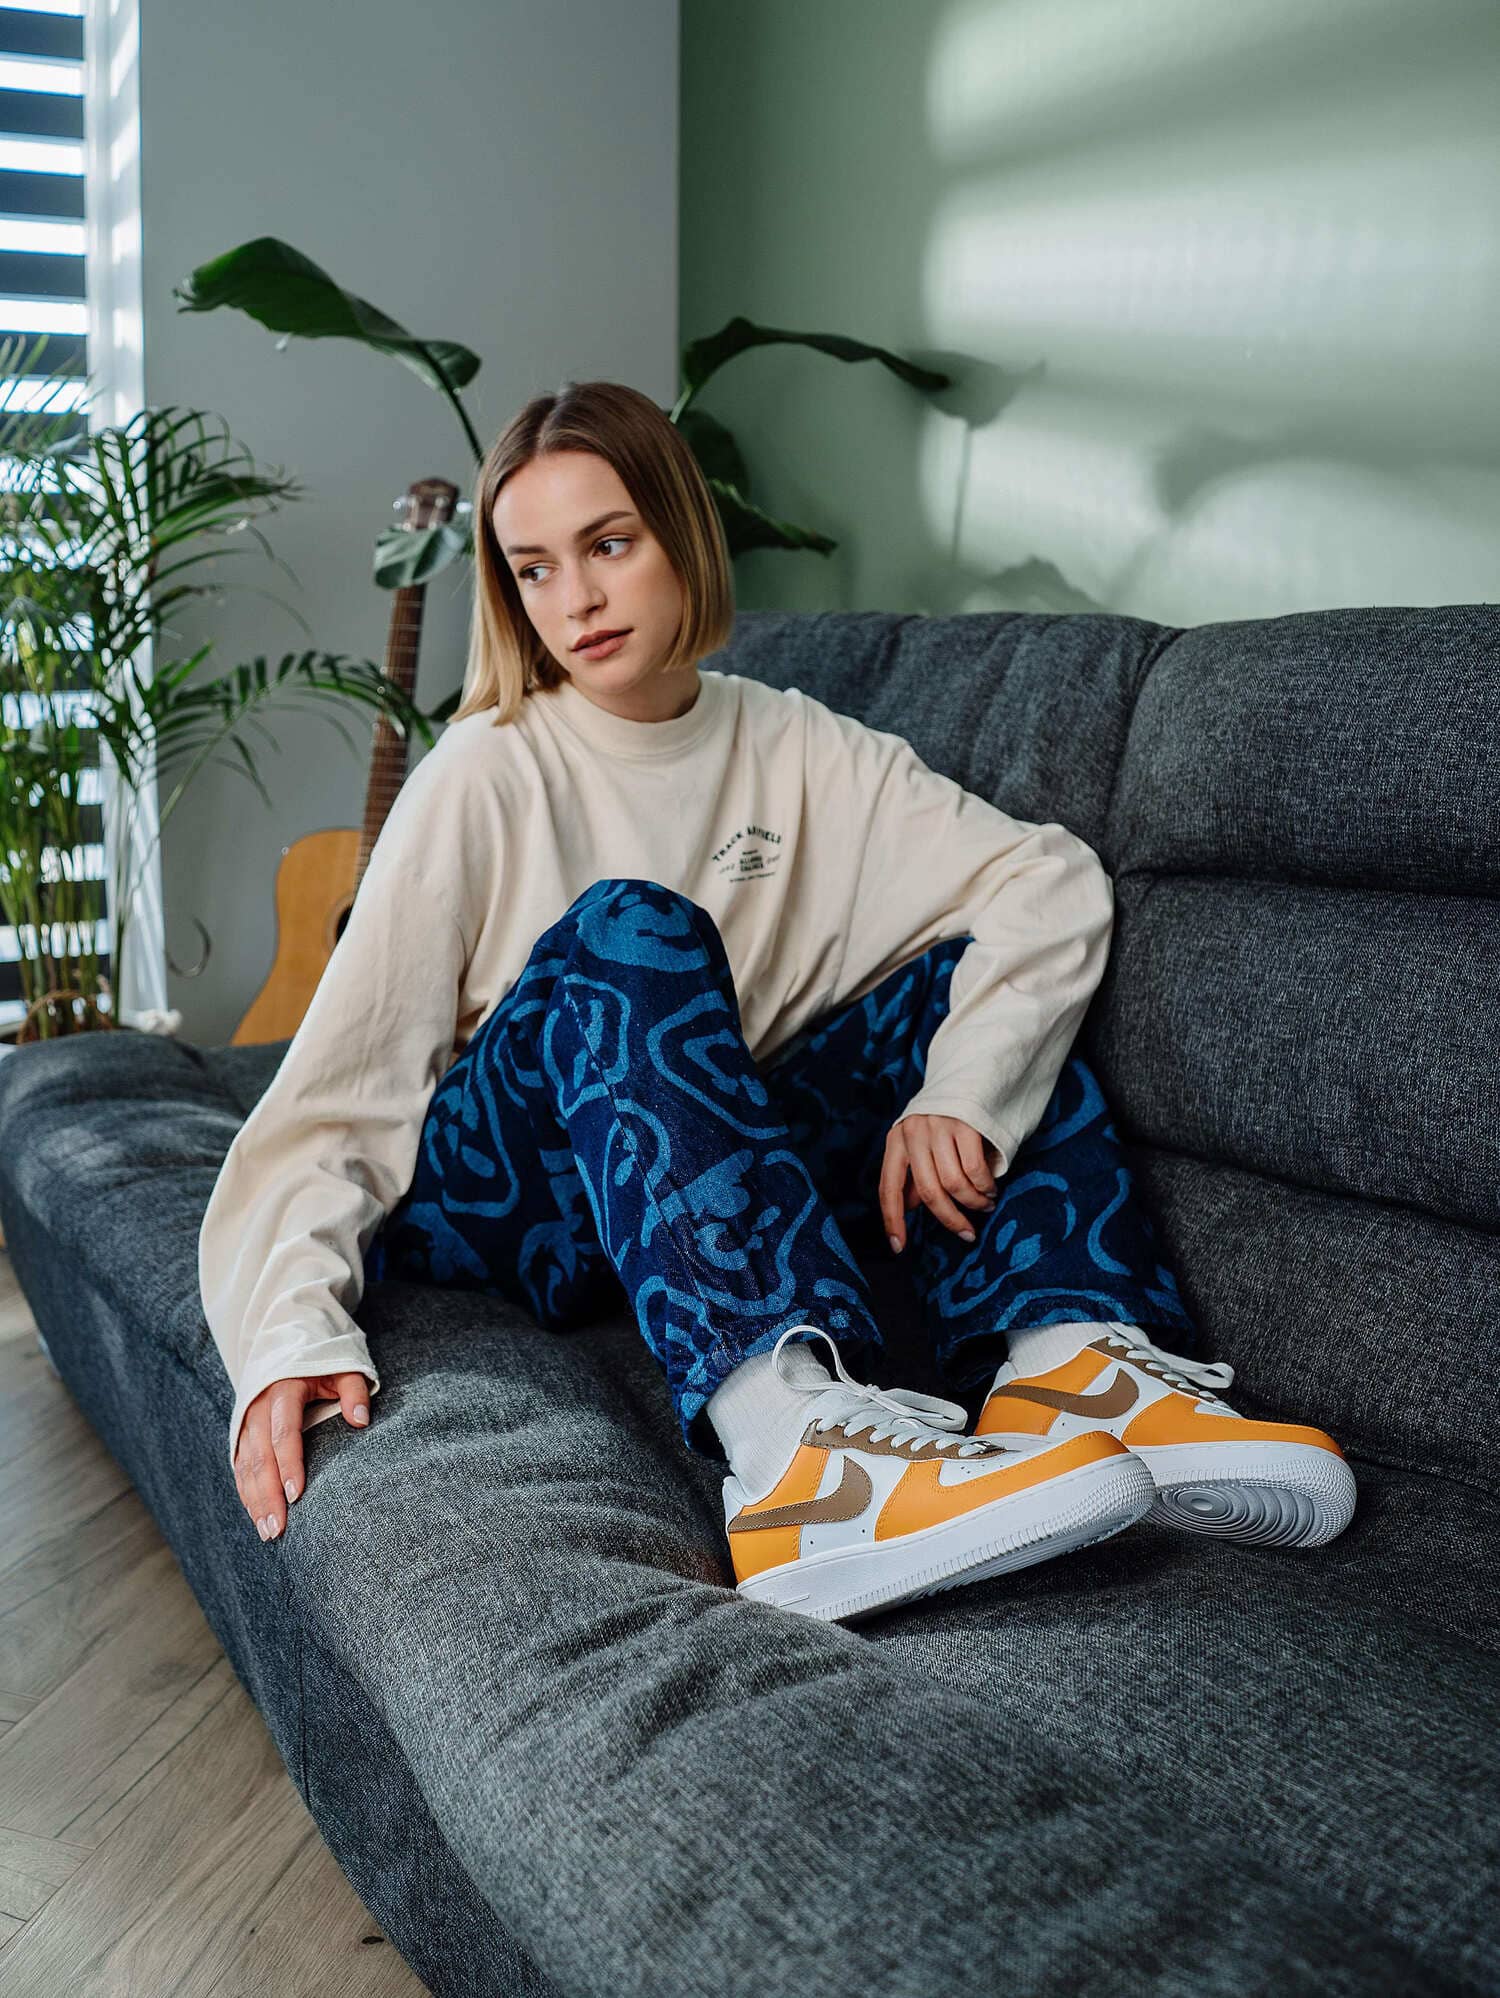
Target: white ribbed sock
758 1418
1036 1349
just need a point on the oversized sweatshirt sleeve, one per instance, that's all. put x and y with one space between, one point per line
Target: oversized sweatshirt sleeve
938 862
331 1144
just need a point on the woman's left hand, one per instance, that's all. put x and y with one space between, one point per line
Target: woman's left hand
950 1165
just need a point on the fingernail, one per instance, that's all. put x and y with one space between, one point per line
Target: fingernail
291 1491
261 1524
967 1233
895 1245
361 1413
274 1524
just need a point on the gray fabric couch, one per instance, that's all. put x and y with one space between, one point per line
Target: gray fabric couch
497 1645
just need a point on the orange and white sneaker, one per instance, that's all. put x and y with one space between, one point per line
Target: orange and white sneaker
884 1498
1275 1484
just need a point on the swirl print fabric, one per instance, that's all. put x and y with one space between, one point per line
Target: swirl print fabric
606 1137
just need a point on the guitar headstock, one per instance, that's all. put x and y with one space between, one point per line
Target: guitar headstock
426 503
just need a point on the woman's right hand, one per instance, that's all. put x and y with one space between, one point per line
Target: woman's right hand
268 1458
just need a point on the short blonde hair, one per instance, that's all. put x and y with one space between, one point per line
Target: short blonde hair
507 659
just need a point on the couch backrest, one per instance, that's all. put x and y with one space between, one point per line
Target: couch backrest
1298 1024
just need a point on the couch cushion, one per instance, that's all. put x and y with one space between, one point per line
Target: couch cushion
1338 1710
1298 1019
1029 711
113 1142
511 1590
1348 748
547 1624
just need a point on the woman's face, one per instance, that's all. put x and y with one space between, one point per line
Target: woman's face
584 561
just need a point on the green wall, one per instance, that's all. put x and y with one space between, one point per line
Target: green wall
1219 281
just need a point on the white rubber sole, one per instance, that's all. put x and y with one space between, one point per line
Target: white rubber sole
1072 1510
1260 1494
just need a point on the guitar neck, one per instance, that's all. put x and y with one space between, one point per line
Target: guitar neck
428 503
388 758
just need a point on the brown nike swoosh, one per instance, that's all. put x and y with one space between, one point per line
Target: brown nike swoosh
846 1501
1122 1393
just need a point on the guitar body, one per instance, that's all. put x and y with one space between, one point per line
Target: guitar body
319 875
315 885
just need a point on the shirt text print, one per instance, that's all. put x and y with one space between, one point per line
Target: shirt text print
748 855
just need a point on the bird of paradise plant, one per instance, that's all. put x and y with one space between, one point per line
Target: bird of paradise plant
286 292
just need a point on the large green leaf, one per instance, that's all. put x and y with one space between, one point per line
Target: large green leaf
747 527
703 358
718 455
288 293
406 555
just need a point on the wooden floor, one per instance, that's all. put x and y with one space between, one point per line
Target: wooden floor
152 1844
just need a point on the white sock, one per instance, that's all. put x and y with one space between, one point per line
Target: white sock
1037 1349
758 1418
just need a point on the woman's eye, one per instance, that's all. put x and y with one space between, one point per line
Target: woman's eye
605 542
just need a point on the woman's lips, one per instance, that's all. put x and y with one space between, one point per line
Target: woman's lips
605 646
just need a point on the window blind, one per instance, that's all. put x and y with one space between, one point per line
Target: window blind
42 291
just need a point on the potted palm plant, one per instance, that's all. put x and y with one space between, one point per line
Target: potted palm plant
106 536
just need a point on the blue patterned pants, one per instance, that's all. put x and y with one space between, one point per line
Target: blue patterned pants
606 1138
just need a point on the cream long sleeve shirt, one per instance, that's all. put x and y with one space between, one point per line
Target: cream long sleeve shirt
826 851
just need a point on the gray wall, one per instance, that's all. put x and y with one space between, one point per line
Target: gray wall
1221 282
500 174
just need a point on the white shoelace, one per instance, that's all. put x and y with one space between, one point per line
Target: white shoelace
1179 1370
914 1419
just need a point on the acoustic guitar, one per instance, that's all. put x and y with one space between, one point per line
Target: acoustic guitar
319 875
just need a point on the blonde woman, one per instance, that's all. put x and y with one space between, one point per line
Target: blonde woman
672 991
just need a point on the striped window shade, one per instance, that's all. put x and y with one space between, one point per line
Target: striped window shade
43 291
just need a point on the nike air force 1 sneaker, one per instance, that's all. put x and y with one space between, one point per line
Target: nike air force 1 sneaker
1273 1484
884 1499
